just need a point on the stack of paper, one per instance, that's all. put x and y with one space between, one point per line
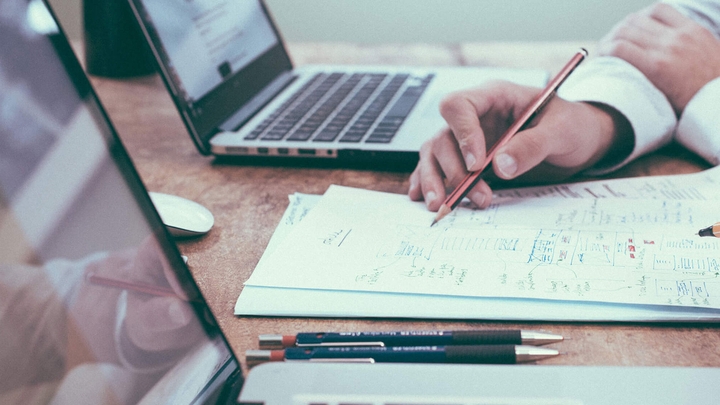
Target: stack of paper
623 250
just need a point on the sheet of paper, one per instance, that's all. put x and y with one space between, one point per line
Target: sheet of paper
606 250
703 185
299 206
296 302
264 301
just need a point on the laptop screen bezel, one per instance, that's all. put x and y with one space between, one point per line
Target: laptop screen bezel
125 166
204 117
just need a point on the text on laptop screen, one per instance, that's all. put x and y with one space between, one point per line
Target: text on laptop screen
207 41
96 305
215 56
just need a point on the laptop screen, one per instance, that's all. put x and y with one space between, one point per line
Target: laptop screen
96 304
214 55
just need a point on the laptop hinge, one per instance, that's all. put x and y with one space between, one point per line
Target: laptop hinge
259 101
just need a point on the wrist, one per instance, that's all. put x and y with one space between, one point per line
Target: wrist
615 136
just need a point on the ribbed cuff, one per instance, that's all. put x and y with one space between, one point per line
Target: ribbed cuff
699 126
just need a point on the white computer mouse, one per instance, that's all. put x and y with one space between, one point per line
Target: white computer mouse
181 216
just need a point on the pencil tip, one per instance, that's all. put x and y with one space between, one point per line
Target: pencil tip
433 223
442 212
706 231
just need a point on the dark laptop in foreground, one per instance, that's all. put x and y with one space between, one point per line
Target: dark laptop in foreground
235 87
98 307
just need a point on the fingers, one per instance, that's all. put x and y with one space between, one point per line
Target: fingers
150 265
449 158
523 152
648 29
414 191
630 51
431 181
462 112
569 137
475 118
667 15
640 28
678 55
160 323
637 31
439 159
440 166
637 40
481 195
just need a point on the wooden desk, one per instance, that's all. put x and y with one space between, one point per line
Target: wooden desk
248 202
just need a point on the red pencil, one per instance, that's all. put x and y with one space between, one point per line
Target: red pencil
531 111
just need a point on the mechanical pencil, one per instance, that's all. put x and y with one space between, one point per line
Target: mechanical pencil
482 354
410 338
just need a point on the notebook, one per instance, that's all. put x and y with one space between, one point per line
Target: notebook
233 82
98 307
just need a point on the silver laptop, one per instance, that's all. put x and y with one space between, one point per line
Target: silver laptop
235 87
98 307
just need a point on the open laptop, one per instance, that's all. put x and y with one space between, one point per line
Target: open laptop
235 87
98 307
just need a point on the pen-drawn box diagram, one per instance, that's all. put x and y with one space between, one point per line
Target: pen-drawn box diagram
691 244
672 262
684 288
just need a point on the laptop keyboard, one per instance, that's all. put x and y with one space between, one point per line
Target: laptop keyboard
359 107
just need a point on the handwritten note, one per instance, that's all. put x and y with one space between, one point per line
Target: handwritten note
618 250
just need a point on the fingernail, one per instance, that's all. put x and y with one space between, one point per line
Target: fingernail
430 197
470 160
177 315
506 165
413 185
478 198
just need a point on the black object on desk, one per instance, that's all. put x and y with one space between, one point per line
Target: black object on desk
409 338
114 44
483 354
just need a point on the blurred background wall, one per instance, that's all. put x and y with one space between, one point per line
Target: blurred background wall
443 21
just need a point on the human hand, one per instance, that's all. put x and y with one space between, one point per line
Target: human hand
150 323
158 323
565 138
675 53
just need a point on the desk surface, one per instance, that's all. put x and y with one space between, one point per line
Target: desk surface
248 201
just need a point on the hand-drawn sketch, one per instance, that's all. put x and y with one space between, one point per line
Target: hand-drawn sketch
622 250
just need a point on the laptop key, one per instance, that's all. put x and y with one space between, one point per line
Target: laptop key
274 135
378 138
334 89
352 136
406 102
260 128
326 136
381 135
300 136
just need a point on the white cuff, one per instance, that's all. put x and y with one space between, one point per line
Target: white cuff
699 126
613 82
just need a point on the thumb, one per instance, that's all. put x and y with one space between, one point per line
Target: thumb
523 152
